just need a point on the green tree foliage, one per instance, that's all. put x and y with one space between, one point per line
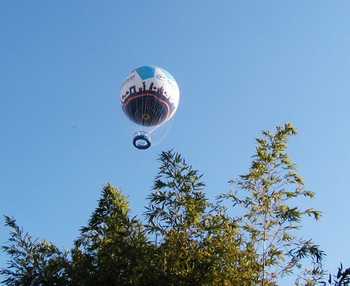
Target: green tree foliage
270 217
113 248
208 247
186 239
32 262
342 278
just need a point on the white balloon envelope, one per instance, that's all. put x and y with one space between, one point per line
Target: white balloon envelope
150 97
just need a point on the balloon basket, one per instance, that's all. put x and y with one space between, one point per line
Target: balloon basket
142 140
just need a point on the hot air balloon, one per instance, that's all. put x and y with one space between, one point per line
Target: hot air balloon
149 97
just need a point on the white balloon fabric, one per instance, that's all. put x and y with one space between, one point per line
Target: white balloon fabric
150 96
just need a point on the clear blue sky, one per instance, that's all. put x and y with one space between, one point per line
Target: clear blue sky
242 66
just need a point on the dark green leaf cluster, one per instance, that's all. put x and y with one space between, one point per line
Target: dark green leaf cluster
32 262
342 278
113 248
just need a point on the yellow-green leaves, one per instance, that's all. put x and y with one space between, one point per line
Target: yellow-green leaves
268 214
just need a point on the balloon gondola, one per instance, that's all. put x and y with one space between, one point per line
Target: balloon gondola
149 98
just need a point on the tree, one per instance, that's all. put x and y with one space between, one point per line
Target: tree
199 243
113 248
342 278
186 239
270 217
32 262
